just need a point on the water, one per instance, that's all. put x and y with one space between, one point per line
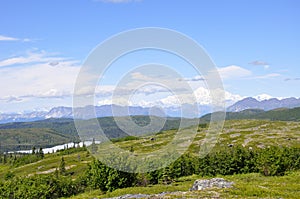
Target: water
59 147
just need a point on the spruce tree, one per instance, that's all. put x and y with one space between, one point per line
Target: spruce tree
62 166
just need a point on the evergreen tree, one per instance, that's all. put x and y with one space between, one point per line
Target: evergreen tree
33 150
62 166
41 153
94 147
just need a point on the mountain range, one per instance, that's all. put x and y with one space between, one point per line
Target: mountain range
89 112
266 105
115 110
81 113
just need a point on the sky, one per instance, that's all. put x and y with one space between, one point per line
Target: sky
254 44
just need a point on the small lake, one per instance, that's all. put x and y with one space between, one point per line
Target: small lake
59 147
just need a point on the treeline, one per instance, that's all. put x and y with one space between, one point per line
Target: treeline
227 161
18 159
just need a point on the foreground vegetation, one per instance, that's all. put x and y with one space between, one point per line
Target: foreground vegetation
251 185
262 158
236 164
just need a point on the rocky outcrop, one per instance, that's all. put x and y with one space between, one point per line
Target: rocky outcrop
214 182
139 196
198 185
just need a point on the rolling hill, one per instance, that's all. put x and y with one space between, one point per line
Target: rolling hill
51 132
250 134
280 114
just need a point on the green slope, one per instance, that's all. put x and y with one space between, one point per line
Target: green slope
51 132
252 186
282 114
76 163
248 133
26 138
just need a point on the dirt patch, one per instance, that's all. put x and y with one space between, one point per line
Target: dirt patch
51 170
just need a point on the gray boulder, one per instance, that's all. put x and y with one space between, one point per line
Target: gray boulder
214 182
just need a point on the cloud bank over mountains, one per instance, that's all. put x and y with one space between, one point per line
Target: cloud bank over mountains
39 79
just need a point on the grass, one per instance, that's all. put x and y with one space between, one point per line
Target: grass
239 132
245 186
77 162
249 133
258 186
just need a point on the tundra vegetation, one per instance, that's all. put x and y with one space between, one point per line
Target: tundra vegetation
261 157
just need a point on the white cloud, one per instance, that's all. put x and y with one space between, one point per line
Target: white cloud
10 99
140 76
267 76
236 72
33 77
39 80
27 40
204 96
5 38
262 97
31 57
193 79
168 90
201 96
233 72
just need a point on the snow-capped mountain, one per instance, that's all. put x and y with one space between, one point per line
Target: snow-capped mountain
267 104
18 117
81 113
105 111
60 112
115 110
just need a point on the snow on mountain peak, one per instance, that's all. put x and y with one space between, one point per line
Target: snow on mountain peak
262 97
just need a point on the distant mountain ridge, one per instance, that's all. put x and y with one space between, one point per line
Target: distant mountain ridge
89 112
81 113
266 105
280 114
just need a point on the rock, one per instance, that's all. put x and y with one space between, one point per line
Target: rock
130 196
198 185
214 182
140 196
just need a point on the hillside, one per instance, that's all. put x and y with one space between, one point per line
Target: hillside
282 114
51 132
261 136
26 138
247 133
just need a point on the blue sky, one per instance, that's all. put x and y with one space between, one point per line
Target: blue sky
255 44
